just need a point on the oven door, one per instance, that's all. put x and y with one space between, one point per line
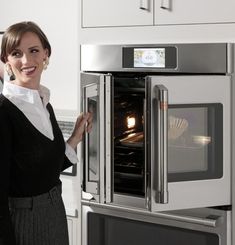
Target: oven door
114 226
95 148
189 141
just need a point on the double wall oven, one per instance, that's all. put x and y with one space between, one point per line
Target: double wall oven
161 138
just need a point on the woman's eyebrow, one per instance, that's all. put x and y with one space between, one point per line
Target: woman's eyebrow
34 47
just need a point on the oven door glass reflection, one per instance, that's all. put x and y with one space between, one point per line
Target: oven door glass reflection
195 140
93 141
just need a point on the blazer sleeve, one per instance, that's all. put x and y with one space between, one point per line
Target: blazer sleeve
6 230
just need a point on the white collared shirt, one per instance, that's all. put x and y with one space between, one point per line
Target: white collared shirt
33 104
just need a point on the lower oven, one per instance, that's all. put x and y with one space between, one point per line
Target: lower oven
112 226
162 118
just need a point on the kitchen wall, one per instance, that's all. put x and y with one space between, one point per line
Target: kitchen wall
59 20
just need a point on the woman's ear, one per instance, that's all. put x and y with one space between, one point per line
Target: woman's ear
46 59
8 69
45 63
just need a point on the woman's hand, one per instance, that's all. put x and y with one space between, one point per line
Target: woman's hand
83 123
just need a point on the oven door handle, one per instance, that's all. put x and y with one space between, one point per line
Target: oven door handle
210 220
161 93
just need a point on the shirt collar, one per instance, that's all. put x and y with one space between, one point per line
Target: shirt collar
26 94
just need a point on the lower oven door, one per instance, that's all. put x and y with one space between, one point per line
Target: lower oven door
189 141
112 226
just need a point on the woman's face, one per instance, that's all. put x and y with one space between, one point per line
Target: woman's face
26 61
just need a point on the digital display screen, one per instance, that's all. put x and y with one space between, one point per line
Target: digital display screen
149 57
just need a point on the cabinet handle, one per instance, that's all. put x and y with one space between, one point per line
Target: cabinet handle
165 4
144 5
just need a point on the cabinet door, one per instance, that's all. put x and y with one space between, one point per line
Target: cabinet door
193 12
117 13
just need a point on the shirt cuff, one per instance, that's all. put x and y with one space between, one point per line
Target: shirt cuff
71 153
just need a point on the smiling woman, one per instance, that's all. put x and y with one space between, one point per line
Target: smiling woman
25 55
32 148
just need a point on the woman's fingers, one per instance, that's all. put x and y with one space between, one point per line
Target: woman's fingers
84 122
89 123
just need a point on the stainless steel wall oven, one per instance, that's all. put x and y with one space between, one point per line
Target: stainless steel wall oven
114 226
161 137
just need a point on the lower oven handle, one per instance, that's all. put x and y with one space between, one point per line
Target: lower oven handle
161 93
211 221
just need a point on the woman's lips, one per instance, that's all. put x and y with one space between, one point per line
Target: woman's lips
28 70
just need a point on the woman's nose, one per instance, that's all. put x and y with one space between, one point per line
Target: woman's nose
25 59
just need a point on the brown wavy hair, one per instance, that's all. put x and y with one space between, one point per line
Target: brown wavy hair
12 37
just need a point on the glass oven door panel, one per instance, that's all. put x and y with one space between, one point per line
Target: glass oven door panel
112 227
141 233
93 87
93 140
195 137
198 152
92 148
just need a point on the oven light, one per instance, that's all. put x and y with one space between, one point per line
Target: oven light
202 140
130 122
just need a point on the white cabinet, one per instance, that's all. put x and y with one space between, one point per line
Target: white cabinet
72 230
117 13
193 12
107 13
59 20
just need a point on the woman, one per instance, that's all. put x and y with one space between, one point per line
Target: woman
32 148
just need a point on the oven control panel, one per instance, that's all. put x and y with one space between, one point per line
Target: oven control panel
154 57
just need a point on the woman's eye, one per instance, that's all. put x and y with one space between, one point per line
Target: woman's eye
34 50
15 54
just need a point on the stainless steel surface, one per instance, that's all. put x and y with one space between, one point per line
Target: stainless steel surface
184 89
101 134
162 145
191 58
108 144
209 192
212 221
147 175
204 192
200 67
206 220
94 83
144 5
130 201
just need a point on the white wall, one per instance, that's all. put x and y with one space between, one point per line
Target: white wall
59 20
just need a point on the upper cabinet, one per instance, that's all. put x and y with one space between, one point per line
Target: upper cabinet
193 12
101 13
108 13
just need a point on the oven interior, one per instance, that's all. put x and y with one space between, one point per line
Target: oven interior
129 97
